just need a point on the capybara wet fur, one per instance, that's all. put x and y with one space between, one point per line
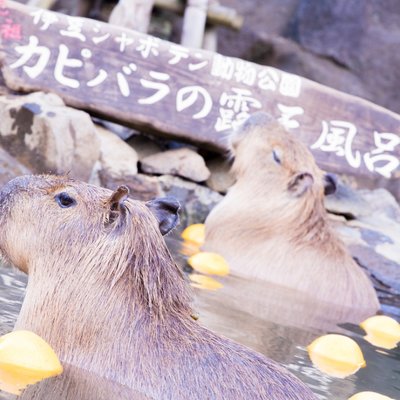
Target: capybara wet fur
105 293
272 224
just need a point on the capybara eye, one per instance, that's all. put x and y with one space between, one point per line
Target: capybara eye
276 157
64 200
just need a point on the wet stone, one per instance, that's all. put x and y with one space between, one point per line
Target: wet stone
183 162
48 137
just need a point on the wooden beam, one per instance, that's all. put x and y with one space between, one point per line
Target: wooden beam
191 95
194 23
132 14
216 13
41 3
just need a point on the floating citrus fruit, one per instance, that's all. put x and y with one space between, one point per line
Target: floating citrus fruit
336 355
195 234
369 396
204 282
209 263
25 358
382 331
189 248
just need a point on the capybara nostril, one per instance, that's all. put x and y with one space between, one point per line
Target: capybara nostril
330 184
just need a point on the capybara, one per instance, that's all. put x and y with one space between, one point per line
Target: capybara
104 291
272 224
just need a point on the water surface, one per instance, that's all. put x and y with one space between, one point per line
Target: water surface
275 321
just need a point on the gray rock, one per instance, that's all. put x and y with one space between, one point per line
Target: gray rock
220 179
48 137
117 157
362 37
371 230
143 146
182 162
10 168
348 45
197 201
122 131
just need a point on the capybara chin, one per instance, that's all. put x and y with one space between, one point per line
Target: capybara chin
272 224
105 292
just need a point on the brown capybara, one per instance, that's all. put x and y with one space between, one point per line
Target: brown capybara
104 291
272 224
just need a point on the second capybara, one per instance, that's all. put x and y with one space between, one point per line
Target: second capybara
272 224
105 293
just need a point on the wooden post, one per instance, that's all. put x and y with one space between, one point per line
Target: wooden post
132 14
216 13
210 39
194 23
41 3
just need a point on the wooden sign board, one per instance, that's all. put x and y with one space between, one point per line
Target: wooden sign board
190 95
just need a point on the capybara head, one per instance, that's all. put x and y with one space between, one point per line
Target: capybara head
262 144
272 224
106 294
52 223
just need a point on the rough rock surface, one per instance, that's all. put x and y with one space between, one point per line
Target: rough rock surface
10 167
116 157
371 230
48 137
346 44
143 146
183 162
362 37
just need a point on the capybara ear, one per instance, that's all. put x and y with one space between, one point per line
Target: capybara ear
300 183
166 211
115 202
330 184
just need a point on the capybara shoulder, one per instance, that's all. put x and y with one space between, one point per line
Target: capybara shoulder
272 223
105 293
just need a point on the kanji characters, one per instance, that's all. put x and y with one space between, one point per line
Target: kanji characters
235 108
27 52
189 95
245 72
222 67
74 29
10 31
268 79
290 85
287 114
45 18
3 9
337 136
162 89
380 160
